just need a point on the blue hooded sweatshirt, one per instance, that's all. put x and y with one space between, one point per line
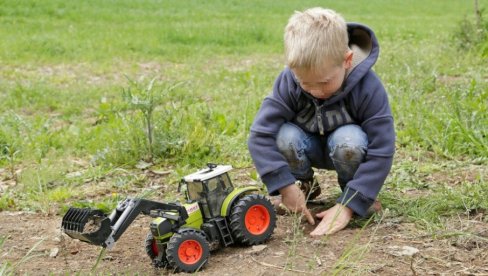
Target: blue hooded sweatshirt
362 100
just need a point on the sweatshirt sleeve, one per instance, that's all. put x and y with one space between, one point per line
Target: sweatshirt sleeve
373 111
276 109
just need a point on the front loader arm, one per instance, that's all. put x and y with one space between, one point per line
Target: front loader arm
95 227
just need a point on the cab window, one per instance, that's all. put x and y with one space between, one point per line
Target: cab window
195 190
226 184
213 184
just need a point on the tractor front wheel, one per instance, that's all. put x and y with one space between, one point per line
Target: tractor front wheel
153 250
188 250
252 219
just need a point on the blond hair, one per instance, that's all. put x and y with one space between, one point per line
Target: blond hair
314 36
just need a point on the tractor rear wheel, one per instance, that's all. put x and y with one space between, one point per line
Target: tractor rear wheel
152 251
252 219
188 250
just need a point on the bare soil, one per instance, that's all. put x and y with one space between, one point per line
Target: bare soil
387 246
376 249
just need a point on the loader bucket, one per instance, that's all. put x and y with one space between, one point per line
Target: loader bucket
88 225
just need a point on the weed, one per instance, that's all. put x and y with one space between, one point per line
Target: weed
429 210
294 239
472 34
99 258
10 155
7 202
355 251
295 236
5 266
8 268
146 100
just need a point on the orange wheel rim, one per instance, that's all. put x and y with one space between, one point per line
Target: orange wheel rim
154 247
257 219
190 252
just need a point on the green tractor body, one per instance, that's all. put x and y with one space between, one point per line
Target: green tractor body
215 214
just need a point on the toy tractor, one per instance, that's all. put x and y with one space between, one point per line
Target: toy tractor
182 235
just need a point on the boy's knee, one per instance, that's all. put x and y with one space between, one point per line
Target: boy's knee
287 137
348 143
349 134
348 154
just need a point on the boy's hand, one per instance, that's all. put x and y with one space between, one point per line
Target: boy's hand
294 200
333 220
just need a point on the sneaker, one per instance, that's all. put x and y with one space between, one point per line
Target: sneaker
310 188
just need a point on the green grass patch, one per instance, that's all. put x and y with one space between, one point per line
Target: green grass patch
430 210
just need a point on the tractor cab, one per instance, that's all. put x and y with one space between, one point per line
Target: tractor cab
209 187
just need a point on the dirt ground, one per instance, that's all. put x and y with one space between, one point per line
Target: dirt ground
387 246
378 249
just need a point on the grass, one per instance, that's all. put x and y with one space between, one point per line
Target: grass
9 268
68 132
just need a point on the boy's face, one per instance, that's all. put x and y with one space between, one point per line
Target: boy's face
326 81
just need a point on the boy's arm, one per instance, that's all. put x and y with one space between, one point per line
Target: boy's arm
276 109
271 165
373 111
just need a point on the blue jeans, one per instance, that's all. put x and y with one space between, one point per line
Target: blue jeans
342 150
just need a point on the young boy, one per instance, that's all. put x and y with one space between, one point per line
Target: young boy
327 110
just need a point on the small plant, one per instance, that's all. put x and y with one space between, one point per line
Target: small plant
472 34
6 202
10 155
355 251
8 268
295 238
4 265
145 99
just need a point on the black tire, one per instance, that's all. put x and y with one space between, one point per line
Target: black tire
153 251
261 219
197 250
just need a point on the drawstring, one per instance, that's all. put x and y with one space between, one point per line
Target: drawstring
319 117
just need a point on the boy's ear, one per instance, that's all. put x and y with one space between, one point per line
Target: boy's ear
348 59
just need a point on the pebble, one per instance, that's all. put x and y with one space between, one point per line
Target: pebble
54 252
402 250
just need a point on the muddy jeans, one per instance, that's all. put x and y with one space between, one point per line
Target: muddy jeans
343 150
